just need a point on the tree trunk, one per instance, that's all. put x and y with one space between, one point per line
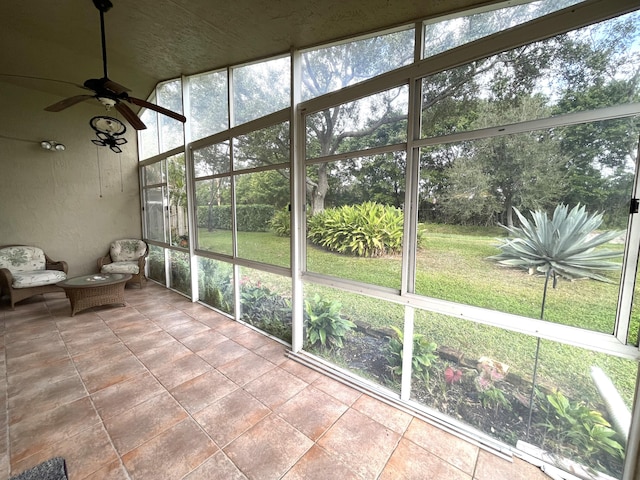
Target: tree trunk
508 205
319 192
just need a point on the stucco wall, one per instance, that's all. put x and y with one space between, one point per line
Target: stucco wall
72 203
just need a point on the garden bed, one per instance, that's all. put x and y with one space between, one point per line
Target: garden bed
498 407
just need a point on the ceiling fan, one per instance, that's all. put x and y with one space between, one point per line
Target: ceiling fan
110 93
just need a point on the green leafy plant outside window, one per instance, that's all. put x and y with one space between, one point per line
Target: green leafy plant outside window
424 354
575 424
366 230
326 328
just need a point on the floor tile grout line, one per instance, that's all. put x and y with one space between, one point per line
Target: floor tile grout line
120 340
165 390
315 442
103 426
272 412
400 438
51 319
168 391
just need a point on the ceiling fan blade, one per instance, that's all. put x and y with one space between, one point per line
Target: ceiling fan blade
156 108
130 116
29 77
115 87
67 102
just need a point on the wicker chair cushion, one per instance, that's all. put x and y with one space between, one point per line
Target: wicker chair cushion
22 259
121 267
36 278
127 250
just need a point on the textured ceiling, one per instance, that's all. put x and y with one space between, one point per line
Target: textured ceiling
153 40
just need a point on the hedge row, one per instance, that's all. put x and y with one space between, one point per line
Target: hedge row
250 218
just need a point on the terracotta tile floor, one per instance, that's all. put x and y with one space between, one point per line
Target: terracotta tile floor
167 389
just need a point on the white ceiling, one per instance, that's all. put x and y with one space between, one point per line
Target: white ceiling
153 40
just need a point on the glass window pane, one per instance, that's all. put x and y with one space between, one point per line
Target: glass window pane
215 280
373 121
456 379
148 138
265 302
563 74
483 376
263 217
154 174
357 232
209 104
269 146
213 215
180 273
591 381
177 186
156 264
356 332
260 89
331 68
171 131
441 35
567 176
212 160
154 201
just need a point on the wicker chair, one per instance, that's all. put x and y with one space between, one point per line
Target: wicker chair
26 271
126 256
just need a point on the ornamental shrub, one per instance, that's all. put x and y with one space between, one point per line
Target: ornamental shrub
281 222
266 310
325 327
366 230
576 430
424 354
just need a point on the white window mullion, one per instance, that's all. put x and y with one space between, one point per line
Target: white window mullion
630 265
297 211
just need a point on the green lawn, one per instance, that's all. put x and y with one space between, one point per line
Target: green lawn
453 265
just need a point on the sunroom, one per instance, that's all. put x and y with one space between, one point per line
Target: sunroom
467 181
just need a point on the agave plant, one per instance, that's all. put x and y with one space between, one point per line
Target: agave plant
563 246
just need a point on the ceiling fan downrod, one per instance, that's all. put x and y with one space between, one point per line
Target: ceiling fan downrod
103 6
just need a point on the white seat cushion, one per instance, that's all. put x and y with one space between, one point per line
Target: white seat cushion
37 278
121 267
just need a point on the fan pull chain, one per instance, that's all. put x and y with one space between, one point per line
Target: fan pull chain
99 172
121 180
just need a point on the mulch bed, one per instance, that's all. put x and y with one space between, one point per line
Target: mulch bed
365 352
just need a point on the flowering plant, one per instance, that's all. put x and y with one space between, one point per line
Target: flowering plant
452 375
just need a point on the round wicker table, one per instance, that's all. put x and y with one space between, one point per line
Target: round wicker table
94 290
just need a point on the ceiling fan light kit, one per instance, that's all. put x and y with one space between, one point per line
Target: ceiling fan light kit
108 129
109 93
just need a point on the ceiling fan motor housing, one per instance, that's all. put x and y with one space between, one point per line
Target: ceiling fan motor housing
103 5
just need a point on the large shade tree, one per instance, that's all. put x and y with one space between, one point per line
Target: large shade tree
492 176
329 69
591 68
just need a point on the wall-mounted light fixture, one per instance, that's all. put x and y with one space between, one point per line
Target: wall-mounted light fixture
52 146
44 144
